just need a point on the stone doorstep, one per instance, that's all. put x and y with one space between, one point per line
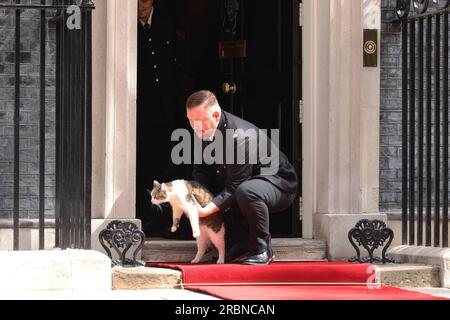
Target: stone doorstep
396 275
284 249
408 275
143 278
431 256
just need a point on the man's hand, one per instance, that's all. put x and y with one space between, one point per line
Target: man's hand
206 211
199 208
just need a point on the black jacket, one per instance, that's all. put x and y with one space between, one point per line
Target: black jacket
156 61
228 177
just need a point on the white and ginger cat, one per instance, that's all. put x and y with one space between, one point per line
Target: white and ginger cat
180 194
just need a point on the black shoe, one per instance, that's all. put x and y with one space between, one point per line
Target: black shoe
259 259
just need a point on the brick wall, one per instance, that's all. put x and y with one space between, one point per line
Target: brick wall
29 114
391 108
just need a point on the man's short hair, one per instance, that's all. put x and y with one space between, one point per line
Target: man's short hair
201 97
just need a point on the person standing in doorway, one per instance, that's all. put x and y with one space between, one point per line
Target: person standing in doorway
155 112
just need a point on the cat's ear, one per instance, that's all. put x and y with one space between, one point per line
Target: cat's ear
163 187
156 184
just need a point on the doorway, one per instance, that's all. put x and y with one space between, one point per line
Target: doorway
248 54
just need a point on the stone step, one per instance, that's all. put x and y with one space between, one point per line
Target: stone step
144 278
408 275
184 251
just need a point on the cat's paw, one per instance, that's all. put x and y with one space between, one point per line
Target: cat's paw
174 229
196 234
195 261
220 261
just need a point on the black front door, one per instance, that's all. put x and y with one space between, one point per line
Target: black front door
247 52
259 80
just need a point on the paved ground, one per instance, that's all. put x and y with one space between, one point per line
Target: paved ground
155 294
439 292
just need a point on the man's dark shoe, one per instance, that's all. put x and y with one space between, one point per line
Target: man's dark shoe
259 259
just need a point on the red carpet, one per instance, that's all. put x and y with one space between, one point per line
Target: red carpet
311 293
290 281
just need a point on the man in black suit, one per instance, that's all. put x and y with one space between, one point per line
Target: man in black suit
155 112
251 180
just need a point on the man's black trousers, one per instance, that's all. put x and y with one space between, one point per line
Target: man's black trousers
255 199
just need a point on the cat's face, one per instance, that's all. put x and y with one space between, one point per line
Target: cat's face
159 193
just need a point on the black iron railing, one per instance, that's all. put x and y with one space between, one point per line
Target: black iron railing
425 121
73 118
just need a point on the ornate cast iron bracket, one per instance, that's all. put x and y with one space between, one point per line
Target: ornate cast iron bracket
122 235
371 234
404 8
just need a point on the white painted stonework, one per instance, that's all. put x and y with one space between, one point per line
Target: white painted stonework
114 109
28 239
335 228
341 121
79 270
